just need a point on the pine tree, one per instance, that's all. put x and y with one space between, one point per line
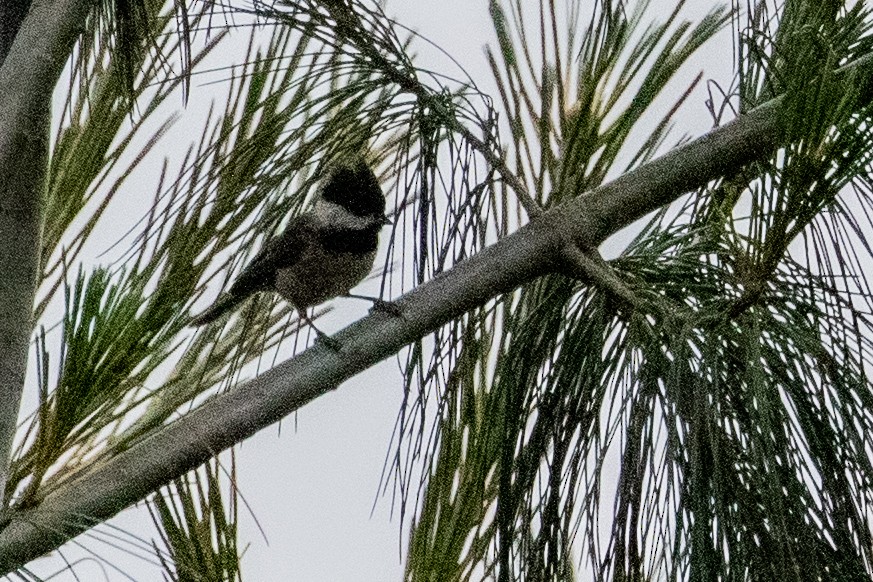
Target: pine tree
695 408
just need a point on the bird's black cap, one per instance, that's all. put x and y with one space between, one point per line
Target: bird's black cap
353 185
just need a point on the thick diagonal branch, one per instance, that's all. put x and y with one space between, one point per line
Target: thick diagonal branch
531 251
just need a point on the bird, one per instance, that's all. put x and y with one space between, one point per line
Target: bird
323 253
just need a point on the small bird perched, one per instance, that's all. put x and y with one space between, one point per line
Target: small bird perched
323 253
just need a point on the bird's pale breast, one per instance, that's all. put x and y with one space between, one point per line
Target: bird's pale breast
321 274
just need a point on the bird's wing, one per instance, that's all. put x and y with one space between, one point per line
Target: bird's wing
278 253
260 275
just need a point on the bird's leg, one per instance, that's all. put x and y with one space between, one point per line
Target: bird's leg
320 335
379 304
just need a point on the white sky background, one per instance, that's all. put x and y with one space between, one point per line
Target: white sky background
312 487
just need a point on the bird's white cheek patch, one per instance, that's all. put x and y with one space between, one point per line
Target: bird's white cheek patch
336 216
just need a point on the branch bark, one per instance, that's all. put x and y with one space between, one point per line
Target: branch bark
28 76
530 252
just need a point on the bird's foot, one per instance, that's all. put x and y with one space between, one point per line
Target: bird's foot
320 336
327 341
379 304
387 307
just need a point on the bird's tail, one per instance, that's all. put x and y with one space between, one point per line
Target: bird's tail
224 304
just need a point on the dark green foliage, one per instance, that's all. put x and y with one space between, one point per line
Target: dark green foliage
716 426
198 527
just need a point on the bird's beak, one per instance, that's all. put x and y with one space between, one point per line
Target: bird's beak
386 220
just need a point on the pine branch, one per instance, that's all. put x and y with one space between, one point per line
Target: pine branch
530 252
